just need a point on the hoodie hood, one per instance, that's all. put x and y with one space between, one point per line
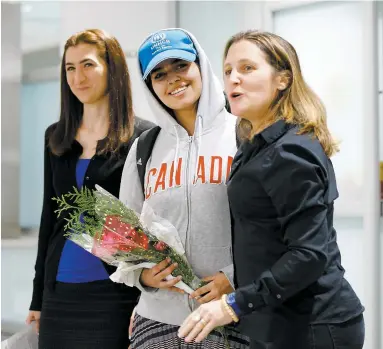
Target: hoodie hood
211 102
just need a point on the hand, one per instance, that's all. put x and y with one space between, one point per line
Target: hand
34 316
202 321
219 285
155 276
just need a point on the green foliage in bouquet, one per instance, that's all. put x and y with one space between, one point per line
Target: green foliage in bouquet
98 209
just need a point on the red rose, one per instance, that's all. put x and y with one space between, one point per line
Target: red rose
125 232
105 244
131 233
113 222
142 240
160 246
109 240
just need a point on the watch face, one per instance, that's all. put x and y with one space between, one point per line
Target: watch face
230 298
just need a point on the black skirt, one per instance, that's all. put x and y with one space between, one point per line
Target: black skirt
87 316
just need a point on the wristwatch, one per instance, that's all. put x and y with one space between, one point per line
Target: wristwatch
230 300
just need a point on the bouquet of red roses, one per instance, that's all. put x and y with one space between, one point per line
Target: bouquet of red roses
101 224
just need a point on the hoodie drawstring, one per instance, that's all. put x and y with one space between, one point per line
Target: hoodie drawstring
198 138
198 142
176 155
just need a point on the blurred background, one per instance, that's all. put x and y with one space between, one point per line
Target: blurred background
340 45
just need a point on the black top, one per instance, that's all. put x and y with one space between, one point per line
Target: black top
286 259
59 179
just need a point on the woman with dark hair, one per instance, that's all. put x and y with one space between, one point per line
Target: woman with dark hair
290 285
74 303
185 183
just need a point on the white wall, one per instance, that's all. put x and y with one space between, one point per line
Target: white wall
214 22
40 22
380 62
337 77
10 121
39 109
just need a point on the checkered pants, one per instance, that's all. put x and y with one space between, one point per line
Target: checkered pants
149 334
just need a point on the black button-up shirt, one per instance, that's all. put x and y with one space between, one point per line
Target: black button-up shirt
287 262
59 179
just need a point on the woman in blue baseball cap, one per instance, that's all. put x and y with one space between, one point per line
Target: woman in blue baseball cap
185 183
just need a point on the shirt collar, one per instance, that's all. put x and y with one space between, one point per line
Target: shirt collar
274 131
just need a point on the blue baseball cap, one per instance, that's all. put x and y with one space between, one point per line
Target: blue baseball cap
162 45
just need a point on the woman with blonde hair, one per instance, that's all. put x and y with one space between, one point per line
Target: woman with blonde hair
290 285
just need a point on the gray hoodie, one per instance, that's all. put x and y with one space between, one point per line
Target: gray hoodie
185 184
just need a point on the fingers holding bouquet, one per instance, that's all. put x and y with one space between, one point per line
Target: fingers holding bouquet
217 286
156 276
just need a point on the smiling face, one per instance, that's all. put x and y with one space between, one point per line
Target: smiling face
251 83
177 83
86 73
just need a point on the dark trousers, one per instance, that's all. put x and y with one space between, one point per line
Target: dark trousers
346 335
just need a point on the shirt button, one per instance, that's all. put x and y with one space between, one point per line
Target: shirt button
250 305
86 177
279 296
